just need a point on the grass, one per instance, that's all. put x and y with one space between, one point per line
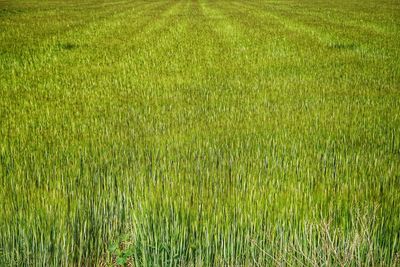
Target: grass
199 133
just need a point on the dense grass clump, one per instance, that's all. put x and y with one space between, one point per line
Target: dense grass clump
199 133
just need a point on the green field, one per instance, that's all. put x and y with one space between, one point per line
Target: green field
199 133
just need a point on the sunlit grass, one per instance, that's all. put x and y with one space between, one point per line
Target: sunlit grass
199 133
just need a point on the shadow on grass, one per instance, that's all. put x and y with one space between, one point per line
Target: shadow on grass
342 46
67 46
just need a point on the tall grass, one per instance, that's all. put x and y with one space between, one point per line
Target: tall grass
199 133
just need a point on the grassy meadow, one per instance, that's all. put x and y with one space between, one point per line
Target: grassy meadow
199 133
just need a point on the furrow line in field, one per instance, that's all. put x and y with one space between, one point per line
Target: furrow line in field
65 22
355 19
340 27
327 39
51 50
336 41
245 62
